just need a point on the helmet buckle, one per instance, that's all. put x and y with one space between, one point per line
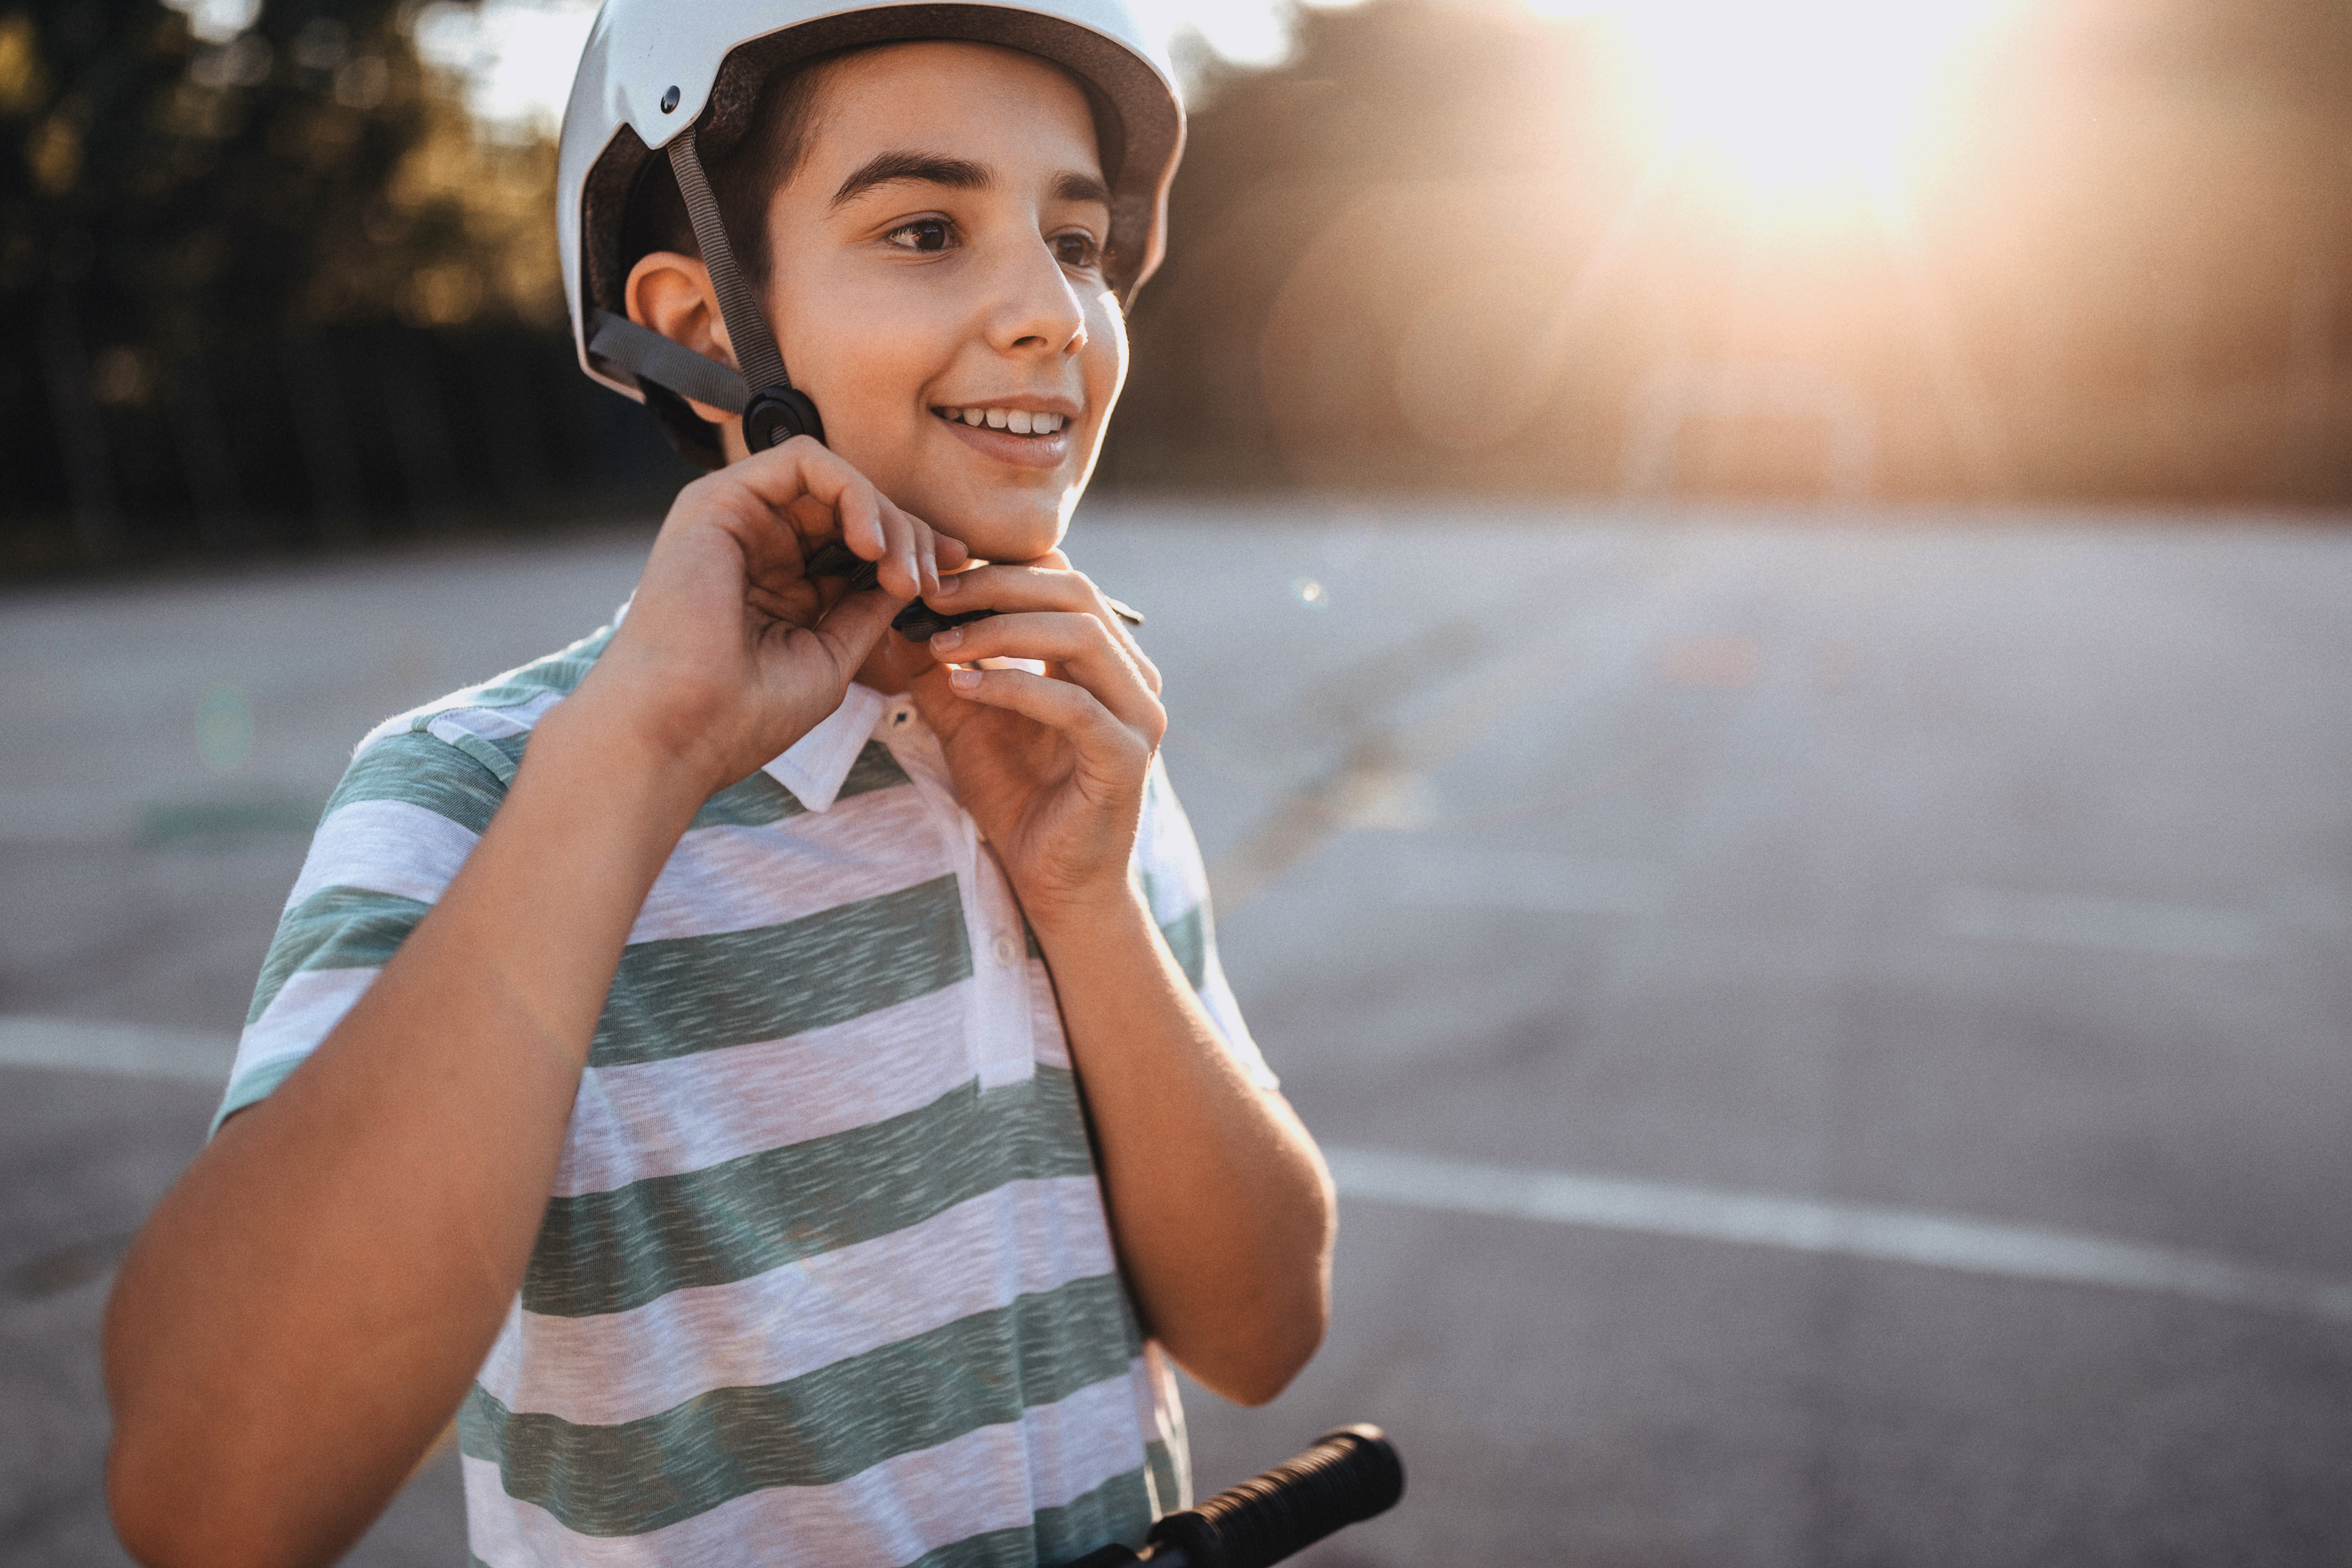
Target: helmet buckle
777 414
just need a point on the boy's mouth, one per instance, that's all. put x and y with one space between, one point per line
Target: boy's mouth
1014 421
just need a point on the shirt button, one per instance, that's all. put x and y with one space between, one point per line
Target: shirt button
1008 952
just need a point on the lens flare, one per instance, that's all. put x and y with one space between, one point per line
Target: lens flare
1802 98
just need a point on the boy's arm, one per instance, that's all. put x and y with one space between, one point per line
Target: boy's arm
308 1305
1221 1205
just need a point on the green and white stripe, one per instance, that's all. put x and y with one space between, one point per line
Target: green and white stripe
932 1505
841 1303
825 1276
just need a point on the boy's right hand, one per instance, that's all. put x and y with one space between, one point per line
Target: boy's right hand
730 652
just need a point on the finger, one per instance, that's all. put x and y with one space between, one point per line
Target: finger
901 572
872 526
801 468
1134 650
836 501
861 516
1031 585
935 546
1017 586
855 627
1081 646
919 547
1100 738
1098 605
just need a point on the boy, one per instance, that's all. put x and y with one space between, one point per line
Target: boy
771 1077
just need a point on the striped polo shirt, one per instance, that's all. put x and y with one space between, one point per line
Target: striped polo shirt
825 1276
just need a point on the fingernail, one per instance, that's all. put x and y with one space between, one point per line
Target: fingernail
962 679
947 586
947 638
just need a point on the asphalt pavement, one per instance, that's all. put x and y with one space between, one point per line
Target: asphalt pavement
1831 1029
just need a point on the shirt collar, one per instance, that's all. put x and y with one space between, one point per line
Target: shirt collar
815 766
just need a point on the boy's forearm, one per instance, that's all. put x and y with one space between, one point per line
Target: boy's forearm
306 1307
1221 1204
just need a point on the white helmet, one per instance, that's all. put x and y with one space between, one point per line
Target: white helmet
685 75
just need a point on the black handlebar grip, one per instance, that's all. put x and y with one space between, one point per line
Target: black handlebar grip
1348 1475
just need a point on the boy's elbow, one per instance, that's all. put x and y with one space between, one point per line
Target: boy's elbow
1283 1355
1291 1324
1256 1364
154 1527
168 1514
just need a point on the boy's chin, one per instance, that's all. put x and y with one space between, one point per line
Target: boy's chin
1013 535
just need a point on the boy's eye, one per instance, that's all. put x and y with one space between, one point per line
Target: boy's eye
923 233
1077 250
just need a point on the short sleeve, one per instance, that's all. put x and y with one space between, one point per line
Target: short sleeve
1176 886
421 789
402 822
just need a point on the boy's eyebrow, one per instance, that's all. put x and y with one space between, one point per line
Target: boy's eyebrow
930 168
957 173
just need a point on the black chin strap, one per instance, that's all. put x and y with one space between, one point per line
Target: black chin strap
773 410
655 358
755 346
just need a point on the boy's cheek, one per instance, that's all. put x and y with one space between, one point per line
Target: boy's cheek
1108 330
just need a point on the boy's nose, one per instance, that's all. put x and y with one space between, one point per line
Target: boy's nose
1037 311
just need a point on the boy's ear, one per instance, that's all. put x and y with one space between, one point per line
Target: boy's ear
671 293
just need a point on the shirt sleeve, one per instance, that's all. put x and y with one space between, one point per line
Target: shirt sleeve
1176 887
402 822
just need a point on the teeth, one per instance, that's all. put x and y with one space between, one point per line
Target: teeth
1019 421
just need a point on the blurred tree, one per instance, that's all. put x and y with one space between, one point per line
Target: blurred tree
258 168
188 196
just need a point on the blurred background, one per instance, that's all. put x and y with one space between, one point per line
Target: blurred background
282 279
1755 601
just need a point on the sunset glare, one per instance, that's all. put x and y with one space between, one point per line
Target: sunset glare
1808 97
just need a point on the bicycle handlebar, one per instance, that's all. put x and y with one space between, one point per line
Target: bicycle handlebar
1348 1475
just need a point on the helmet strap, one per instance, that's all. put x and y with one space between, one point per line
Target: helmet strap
755 346
650 356
776 410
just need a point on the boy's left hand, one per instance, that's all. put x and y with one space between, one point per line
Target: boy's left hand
1051 766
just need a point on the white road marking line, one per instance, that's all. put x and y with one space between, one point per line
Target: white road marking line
81 1044
1560 1197
1534 884
62 816
1806 1225
2120 925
